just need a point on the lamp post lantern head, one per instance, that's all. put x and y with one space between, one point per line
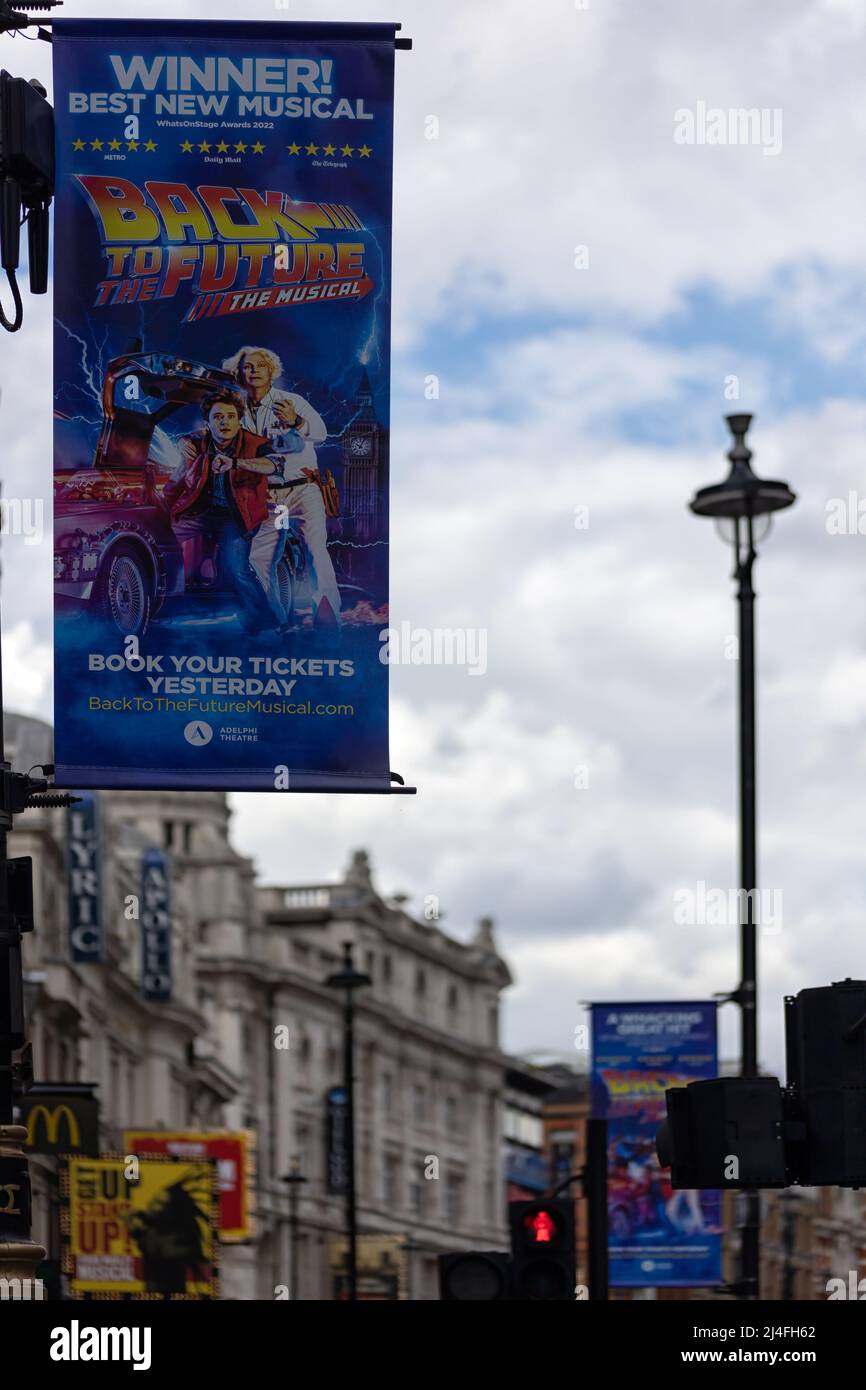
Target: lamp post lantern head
348 977
294 1175
742 494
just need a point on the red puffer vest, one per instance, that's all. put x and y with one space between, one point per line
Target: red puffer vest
249 490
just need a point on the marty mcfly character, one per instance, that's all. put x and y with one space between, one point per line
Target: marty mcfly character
220 493
294 428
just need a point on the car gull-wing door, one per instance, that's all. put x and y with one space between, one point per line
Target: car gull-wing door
141 390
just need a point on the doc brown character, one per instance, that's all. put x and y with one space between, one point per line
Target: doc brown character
294 429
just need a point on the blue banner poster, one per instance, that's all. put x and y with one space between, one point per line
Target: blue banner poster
222 363
657 1238
84 880
155 925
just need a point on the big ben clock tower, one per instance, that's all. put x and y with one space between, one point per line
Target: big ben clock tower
363 505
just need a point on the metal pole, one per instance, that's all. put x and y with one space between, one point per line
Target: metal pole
595 1190
350 979
293 1238
19 1254
748 989
351 1199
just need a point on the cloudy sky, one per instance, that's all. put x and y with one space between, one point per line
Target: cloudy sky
592 294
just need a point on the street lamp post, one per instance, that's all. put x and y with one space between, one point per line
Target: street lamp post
350 979
741 506
293 1180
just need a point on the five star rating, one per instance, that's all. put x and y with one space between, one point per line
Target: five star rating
114 145
225 147
363 151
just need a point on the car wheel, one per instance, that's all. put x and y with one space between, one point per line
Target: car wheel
124 593
286 588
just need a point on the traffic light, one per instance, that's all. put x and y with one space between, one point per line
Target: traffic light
751 1132
542 1249
26 182
480 1276
724 1133
825 1035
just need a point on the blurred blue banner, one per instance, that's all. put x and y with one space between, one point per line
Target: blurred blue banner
657 1238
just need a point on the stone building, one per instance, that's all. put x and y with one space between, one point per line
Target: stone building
428 1067
249 965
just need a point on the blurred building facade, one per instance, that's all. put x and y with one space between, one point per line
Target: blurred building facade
252 1037
810 1236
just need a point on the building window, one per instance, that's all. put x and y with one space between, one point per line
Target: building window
168 834
416 1198
452 1115
302 1149
386 969
493 1025
387 1092
390 1182
453 1194
187 838
419 1107
114 1079
370 959
368 1067
524 1128
420 983
453 1003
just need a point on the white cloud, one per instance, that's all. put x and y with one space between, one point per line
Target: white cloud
27 666
606 646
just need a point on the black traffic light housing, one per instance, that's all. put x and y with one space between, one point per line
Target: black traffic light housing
26 181
474 1276
812 1132
542 1249
724 1133
825 1037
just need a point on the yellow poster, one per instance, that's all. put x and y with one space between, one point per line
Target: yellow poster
382 1267
141 1227
234 1152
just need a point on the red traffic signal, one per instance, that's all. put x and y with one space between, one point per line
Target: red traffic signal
542 1248
542 1225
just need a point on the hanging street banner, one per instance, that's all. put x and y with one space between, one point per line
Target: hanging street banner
154 1233
234 1154
155 925
221 379
336 1140
657 1238
84 880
